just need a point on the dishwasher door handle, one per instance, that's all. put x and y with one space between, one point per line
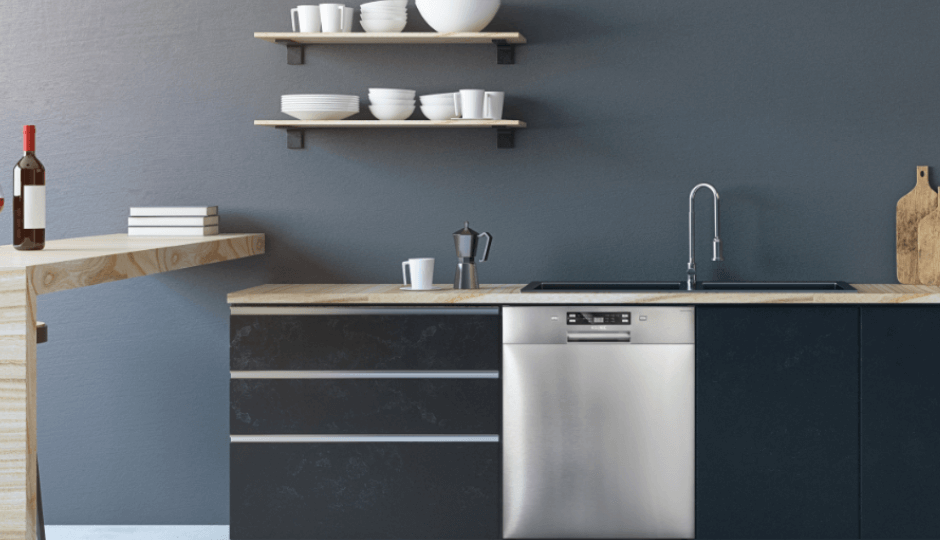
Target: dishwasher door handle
593 337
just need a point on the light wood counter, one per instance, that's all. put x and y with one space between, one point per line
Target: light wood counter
511 294
62 265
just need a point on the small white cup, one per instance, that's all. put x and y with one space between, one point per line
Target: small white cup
305 19
422 273
348 19
493 105
332 17
469 104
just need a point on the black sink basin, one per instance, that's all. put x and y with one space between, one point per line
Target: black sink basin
676 286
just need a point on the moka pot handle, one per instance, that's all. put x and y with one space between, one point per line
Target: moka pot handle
486 249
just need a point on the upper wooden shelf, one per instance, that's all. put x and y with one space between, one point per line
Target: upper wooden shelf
80 262
505 41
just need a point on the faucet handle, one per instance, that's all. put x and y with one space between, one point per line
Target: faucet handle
717 254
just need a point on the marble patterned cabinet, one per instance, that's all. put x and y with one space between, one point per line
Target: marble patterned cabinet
355 423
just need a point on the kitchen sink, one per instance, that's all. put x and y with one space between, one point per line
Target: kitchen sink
677 286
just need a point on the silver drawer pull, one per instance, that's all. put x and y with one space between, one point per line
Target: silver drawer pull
365 374
310 310
365 438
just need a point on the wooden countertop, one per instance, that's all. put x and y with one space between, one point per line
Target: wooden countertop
511 294
80 262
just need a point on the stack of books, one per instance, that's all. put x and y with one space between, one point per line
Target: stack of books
173 221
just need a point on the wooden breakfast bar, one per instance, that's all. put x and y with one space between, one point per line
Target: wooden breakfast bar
62 265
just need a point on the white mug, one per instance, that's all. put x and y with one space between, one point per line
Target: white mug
493 105
305 19
469 104
348 19
422 273
332 17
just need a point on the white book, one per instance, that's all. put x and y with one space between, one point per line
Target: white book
172 231
172 221
165 211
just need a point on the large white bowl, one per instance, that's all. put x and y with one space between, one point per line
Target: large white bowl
383 26
392 112
458 15
439 112
320 115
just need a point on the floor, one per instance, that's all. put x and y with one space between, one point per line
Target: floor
136 532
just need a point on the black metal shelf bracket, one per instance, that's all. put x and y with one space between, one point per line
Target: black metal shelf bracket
295 137
505 137
295 52
505 52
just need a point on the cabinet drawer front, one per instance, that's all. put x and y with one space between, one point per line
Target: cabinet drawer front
366 342
357 406
365 490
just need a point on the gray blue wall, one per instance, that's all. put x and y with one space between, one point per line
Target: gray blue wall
808 116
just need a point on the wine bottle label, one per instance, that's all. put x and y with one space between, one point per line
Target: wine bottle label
34 207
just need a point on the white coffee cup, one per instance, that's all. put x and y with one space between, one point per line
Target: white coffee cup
305 19
348 19
493 105
332 17
469 104
422 273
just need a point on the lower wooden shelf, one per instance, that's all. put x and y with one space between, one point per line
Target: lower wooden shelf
505 129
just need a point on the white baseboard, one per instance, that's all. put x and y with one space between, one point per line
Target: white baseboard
137 532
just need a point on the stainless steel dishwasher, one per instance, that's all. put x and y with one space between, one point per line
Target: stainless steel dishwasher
598 422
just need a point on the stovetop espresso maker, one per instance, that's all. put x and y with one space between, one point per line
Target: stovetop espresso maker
465 240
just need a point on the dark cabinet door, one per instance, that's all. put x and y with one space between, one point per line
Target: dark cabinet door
407 339
365 491
777 422
900 422
372 406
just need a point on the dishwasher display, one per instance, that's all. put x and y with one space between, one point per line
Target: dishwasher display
598 318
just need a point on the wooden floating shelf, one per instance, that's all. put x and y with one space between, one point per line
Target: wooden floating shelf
505 134
295 41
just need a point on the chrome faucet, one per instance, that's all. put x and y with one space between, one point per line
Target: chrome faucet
716 242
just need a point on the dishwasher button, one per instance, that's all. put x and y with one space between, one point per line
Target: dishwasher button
642 317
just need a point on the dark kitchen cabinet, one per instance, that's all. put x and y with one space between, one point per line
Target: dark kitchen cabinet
363 423
373 406
336 341
365 491
777 416
900 403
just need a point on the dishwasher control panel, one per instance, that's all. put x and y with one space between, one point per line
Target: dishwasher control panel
581 318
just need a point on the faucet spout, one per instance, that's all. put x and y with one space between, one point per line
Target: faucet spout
716 242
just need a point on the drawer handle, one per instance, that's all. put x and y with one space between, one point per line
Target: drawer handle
308 310
365 374
364 438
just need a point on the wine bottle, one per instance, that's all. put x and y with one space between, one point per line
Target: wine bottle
29 197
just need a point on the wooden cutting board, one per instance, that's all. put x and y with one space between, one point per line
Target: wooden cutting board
912 208
928 249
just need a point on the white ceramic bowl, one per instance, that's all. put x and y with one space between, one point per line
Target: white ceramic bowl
385 3
392 93
320 115
437 99
380 26
458 15
387 10
439 112
320 96
392 112
382 18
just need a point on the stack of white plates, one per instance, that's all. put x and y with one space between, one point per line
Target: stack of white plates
384 16
391 103
439 106
319 106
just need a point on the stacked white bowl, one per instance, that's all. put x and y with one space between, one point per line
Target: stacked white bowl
384 16
392 103
439 106
319 106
